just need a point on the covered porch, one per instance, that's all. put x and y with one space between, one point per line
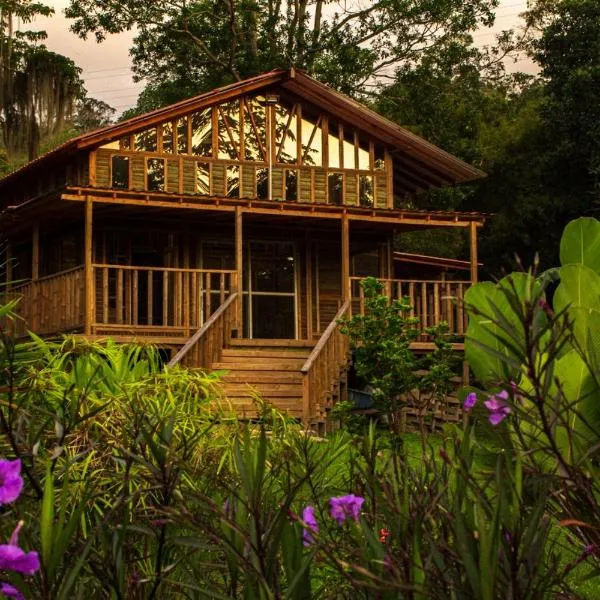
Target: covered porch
161 277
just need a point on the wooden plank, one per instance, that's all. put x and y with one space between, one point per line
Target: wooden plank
346 289
150 298
473 251
309 286
239 263
119 303
89 302
105 293
135 297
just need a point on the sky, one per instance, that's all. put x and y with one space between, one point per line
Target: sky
107 66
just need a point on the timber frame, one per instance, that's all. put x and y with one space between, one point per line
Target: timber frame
233 227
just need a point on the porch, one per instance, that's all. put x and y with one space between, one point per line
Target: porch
166 306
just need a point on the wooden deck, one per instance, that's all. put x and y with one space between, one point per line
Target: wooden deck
197 314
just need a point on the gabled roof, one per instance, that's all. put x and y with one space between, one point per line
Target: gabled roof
415 159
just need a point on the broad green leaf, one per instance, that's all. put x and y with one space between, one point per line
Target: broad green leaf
579 286
580 243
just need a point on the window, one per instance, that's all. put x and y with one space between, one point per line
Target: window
233 181
167 138
255 127
120 172
348 149
262 184
334 151
364 163
125 143
182 136
155 175
291 185
203 178
146 141
202 133
379 158
312 143
286 127
365 191
335 183
229 130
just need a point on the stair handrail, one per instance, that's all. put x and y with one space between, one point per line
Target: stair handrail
194 339
327 375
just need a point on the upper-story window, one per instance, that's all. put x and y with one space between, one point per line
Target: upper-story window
223 150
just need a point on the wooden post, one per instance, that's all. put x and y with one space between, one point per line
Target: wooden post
239 262
346 291
309 288
88 269
35 252
473 251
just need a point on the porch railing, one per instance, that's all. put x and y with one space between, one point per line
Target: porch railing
322 369
155 298
50 304
206 345
431 301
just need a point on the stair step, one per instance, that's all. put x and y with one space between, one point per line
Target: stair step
273 366
297 353
267 343
261 360
250 391
262 377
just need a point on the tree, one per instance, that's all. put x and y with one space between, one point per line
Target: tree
200 45
92 113
39 87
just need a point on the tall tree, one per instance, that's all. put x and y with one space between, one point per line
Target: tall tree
201 44
38 88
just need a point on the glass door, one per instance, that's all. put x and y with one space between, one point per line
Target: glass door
270 291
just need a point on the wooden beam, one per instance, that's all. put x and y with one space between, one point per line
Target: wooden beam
473 251
35 252
88 269
345 258
239 265
309 286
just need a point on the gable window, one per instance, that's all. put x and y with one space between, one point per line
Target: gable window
255 129
335 184
120 172
229 130
182 135
146 141
202 133
167 138
155 175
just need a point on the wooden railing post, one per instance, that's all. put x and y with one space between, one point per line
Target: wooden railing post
239 262
88 269
346 290
473 251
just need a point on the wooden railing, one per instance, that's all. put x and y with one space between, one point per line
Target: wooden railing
322 369
431 301
50 304
154 298
205 347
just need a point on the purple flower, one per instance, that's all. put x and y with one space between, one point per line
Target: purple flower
470 401
11 482
308 516
11 591
346 506
498 408
12 558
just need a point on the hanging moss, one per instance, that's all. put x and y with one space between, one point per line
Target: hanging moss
38 91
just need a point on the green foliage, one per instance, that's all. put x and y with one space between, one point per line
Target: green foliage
381 341
197 46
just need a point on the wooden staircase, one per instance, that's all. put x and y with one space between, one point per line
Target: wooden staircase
302 378
269 369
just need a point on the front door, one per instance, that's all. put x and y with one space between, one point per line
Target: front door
270 291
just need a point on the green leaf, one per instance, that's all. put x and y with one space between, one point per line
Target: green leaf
580 243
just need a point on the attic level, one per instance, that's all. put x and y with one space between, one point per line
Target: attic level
256 146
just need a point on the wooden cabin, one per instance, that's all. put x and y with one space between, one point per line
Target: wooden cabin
232 230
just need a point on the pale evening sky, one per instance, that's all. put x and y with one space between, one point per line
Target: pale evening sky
106 66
